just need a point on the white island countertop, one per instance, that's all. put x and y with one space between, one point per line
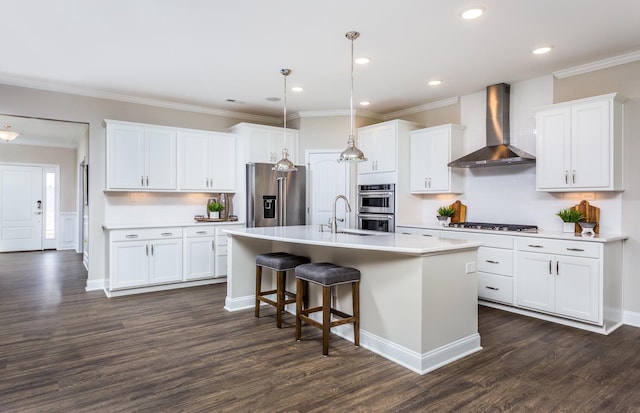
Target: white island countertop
356 239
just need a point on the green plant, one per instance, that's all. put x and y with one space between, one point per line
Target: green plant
215 207
446 211
570 215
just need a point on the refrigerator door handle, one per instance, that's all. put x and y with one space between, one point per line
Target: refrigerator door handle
281 209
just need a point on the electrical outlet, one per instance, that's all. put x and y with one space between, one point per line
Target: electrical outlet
471 267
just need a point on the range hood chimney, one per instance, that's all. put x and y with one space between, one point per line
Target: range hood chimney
498 150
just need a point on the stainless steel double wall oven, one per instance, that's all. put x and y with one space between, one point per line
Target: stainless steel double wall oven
377 207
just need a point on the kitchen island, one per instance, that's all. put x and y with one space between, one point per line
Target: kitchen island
418 295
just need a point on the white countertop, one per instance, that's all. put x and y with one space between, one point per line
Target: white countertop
124 225
357 239
602 238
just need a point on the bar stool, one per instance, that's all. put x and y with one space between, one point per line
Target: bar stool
327 275
281 262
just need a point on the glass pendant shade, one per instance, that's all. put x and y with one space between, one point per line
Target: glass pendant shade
284 164
7 135
352 153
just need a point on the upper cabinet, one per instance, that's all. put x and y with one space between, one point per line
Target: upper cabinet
140 157
431 150
207 161
379 144
579 145
160 158
264 144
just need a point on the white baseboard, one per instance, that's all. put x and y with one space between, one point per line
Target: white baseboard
631 318
94 285
240 303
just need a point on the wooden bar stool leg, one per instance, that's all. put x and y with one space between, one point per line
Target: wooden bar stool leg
279 298
300 292
258 288
326 319
355 297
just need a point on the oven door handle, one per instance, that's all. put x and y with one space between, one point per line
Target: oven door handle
375 193
376 216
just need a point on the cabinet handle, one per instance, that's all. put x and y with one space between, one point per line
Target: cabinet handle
429 182
550 273
427 235
212 246
536 246
492 288
492 262
131 236
573 176
151 249
425 183
557 267
166 234
575 249
142 181
147 249
566 177
201 232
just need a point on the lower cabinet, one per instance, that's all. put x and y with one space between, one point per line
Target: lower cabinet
145 257
566 285
164 257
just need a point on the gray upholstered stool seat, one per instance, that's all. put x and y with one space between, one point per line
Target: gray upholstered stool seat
327 275
281 262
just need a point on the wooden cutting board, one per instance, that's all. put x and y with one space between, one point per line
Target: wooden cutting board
591 214
461 212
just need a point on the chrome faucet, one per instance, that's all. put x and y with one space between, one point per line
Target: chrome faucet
334 219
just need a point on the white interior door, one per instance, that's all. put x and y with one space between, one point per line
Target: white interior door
327 178
21 207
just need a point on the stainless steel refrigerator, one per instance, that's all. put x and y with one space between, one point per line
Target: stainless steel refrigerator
275 198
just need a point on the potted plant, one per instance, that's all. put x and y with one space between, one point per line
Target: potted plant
569 217
214 208
445 213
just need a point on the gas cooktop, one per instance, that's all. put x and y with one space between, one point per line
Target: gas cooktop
494 227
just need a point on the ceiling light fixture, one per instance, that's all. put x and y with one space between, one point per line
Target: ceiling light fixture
365 103
362 60
7 135
352 153
434 82
542 50
297 89
472 13
284 164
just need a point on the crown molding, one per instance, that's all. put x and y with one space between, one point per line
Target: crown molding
422 108
51 87
327 113
598 65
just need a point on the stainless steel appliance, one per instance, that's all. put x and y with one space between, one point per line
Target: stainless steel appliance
275 198
495 227
376 207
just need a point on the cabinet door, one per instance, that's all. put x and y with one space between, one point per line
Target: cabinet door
419 168
437 158
553 148
129 264
591 145
194 160
200 258
223 160
161 159
165 259
126 157
534 281
379 146
578 288
260 142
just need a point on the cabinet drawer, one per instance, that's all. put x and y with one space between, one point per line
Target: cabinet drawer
418 231
145 233
200 231
495 261
495 288
559 247
490 240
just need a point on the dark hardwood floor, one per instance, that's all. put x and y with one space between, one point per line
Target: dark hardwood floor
65 350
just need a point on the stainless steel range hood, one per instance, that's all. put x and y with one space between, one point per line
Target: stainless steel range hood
498 150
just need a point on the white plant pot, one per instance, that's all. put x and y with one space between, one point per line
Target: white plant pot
215 214
568 227
444 221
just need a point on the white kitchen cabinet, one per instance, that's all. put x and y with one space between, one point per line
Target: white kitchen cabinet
207 161
431 150
579 145
263 144
199 260
142 257
221 253
568 285
378 142
140 157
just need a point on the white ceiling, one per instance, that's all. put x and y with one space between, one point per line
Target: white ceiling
203 52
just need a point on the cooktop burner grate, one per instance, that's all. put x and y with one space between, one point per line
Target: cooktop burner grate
494 227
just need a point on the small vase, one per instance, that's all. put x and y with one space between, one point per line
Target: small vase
444 221
215 215
568 227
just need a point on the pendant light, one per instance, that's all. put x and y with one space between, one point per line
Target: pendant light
284 164
7 135
352 153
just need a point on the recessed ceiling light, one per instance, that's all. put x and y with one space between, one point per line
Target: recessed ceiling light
472 13
542 50
434 82
365 103
362 60
235 101
271 99
297 89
